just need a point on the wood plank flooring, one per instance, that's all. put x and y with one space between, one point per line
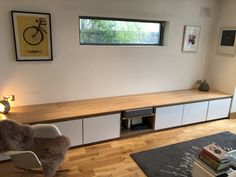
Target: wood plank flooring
112 159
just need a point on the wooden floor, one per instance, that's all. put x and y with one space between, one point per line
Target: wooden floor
112 159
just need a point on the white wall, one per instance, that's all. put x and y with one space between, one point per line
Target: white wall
221 68
80 72
233 106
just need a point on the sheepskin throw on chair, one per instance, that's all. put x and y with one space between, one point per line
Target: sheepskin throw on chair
19 137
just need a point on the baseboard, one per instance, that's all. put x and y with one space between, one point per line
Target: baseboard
233 115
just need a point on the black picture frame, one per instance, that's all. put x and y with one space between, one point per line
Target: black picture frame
32 36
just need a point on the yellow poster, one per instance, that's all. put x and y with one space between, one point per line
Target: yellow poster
32 36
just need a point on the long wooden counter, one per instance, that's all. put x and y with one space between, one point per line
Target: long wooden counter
86 108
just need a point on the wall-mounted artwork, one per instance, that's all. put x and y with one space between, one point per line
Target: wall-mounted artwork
32 34
227 41
191 38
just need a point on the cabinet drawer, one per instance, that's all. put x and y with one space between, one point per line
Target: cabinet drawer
218 109
101 128
195 112
73 130
169 116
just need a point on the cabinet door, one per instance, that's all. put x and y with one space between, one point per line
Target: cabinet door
169 116
195 112
218 109
73 130
101 128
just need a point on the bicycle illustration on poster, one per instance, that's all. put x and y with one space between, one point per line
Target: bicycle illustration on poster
32 34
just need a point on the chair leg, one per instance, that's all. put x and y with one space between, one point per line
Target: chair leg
23 173
32 174
27 173
61 170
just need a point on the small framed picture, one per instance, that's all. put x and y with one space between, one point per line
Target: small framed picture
32 35
227 41
191 38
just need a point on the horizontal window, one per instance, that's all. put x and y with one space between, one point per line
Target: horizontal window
111 31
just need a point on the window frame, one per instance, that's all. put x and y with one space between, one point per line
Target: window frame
162 30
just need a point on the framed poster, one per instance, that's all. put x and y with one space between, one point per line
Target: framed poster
191 38
227 41
32 35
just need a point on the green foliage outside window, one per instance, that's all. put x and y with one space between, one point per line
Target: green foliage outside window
120 32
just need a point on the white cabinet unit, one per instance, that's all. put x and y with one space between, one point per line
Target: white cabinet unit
2 158
73 129
169 116
101 128
218 108
195 112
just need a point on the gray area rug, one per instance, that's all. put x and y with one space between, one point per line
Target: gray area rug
176 160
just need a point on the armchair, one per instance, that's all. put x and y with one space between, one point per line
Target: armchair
36 147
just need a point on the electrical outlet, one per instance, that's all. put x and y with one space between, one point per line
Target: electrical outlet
9 97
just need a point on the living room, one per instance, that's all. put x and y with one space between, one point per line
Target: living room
82 72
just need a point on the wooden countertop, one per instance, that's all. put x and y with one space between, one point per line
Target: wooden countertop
86 108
